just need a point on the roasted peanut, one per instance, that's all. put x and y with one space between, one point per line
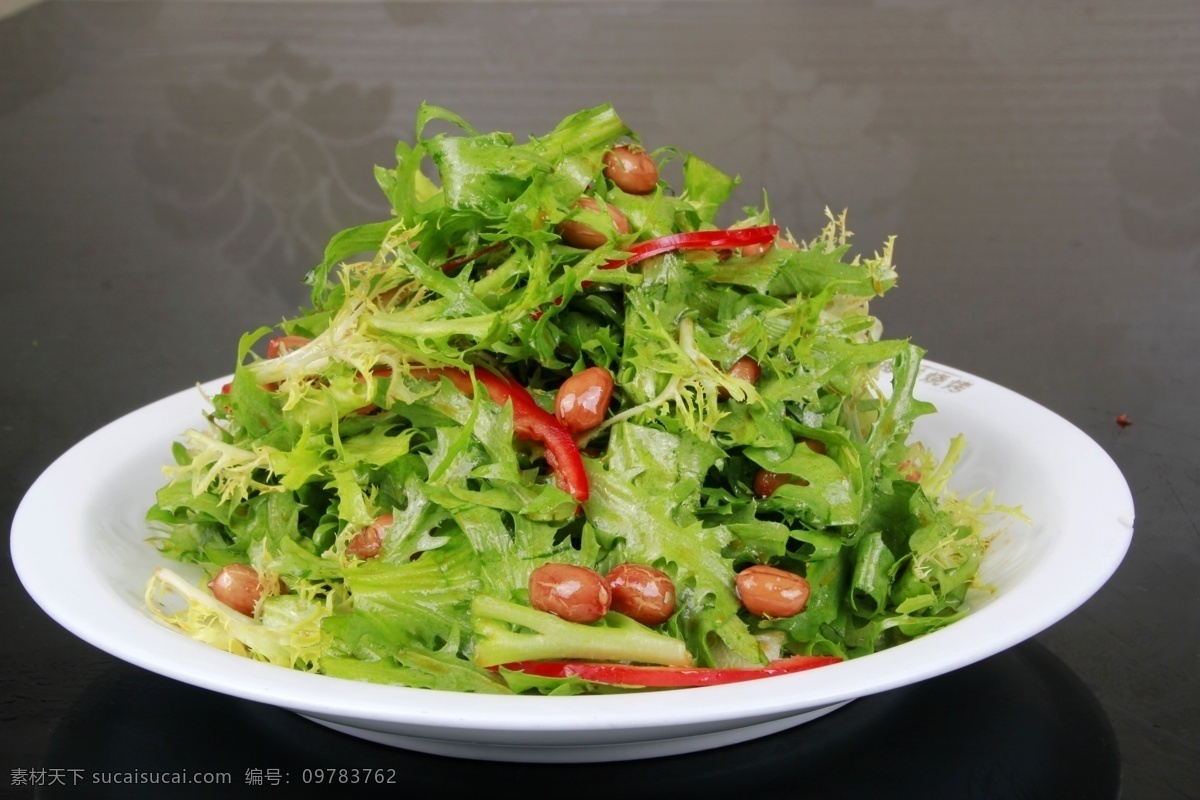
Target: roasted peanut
582 400
752 250
771 592
632 170
642 593
577 234
766 483
745 368
367 542
816 446
576 594
237 586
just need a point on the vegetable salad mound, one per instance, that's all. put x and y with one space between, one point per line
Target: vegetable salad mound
552 428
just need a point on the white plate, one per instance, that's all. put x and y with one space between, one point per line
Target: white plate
91 501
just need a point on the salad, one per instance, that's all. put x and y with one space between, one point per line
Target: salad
555 427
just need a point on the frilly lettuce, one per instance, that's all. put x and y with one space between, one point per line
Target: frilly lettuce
344 431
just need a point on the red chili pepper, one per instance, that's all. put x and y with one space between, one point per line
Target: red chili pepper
282 344
694 240
371 408
277 347
460 378
661 677
697 240
458 262
530 421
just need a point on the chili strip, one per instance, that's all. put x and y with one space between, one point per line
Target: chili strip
530 421
696 240
662 677
693 240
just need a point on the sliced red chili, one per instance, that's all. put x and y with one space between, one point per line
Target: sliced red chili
280 345
693 240
371 408
530 421
696 240
459 377
458 262
664 677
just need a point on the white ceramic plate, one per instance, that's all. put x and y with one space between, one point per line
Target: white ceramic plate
92 580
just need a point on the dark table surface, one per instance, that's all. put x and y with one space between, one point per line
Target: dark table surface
168 172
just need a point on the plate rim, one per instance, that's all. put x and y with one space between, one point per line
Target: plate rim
601 715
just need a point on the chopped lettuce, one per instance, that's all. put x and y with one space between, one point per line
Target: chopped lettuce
347 431
509 632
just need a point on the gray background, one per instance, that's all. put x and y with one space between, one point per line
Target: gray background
168 172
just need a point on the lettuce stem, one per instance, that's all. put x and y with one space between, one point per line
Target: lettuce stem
619 639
